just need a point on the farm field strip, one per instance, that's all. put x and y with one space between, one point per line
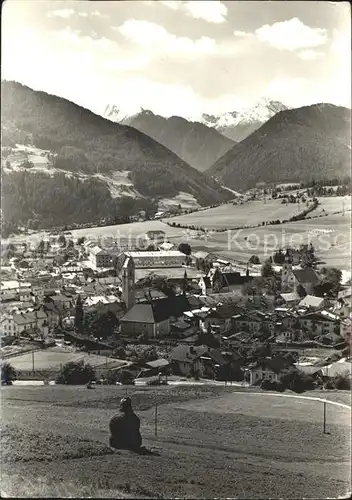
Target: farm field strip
251 213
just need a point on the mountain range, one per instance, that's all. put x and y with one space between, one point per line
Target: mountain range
237 125
196 143
310 142
234 125
81 142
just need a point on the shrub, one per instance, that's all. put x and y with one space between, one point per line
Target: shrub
272 385
342 382
8 373
112 377
297 381
75 373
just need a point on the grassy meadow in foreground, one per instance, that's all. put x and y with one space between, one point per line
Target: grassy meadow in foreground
211 442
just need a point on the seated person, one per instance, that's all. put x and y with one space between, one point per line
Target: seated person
124 428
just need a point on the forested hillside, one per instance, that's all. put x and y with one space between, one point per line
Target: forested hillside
82 142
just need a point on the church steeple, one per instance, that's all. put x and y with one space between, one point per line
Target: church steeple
128 280
185 283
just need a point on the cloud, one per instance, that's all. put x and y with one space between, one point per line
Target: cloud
85 43
172 4
64 13
242 33
291 35
310 55
211 11
156 39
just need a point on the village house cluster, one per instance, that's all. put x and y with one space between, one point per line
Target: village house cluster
198 305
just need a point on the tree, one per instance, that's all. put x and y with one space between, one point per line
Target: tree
217 281
70 244
8 373
101 325
254 259
267 269
79 315
296 380
185 283
62 240
279 257
307 255
301 291
185 248
158 282
81 240
75 373
330 282
40 247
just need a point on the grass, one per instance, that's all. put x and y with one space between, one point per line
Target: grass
333 204
51 359
228 215
212 442
330 235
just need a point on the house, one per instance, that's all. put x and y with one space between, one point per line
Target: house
182 328
343 306
30 321
62 302
213 365
185 359
313 302
207 256
253 321
7 326
307 278
155 237
291 278
147 319
268 369
229 281
294 255
99 257
166 246
320 322
235 340
9 290
52 313
220 317
346 329
25 292
148 294
291 298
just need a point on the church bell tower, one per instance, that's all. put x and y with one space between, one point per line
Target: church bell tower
128 281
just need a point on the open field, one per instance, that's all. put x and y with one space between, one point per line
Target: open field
330 234
333 204
250 213
211 442
53 358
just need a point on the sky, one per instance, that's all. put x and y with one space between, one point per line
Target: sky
180 58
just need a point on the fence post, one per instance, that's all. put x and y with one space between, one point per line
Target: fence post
324 428
156 419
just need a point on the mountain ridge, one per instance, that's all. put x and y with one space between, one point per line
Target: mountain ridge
287 146
196 143
81 141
